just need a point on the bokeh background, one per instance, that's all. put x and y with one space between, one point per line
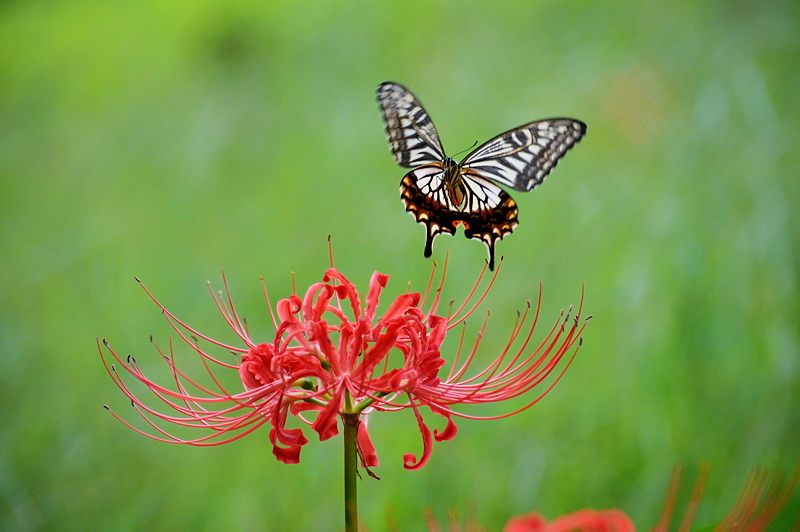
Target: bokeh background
173 140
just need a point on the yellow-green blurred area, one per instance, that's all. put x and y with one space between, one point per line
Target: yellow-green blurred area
176 140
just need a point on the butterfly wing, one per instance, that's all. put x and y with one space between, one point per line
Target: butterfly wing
411 134
487 212
522 157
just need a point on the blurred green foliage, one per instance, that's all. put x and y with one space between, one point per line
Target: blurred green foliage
171 140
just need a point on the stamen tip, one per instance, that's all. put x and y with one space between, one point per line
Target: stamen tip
151 338
107 407
138 280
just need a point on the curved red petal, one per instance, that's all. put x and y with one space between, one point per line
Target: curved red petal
287 455
345 289
369 457
409 460
449 431
326 423
379 349
288 307
313 308
399 306
376 284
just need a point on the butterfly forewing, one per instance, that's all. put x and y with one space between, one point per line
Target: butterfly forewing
522 157
411 134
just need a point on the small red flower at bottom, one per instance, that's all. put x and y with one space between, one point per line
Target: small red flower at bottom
758 505
334 354
583 520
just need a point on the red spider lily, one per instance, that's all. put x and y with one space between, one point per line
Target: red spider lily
583 520
758 504
333 355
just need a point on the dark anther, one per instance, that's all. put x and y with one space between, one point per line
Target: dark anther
137 278
151 338
133 404
107 407
580 341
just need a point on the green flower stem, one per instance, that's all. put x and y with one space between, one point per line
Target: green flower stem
350 422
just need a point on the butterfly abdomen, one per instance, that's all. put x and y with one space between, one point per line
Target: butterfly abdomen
454 185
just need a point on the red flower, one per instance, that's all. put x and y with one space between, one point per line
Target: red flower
333 354
757 506
582 520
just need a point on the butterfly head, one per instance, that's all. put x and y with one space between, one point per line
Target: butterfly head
449 164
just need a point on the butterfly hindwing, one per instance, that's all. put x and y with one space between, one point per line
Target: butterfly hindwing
522 157
487 212
411 134
424 193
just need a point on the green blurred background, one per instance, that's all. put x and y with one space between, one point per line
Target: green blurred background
174 140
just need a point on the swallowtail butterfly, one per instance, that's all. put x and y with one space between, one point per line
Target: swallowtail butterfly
443 194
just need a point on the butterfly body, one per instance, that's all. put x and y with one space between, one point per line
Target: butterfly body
443 195
453 183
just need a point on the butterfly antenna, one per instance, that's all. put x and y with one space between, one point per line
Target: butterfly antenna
462 151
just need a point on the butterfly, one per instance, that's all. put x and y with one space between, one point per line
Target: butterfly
443 194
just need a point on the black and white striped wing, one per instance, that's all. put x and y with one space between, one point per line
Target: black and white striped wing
411 134
522 157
